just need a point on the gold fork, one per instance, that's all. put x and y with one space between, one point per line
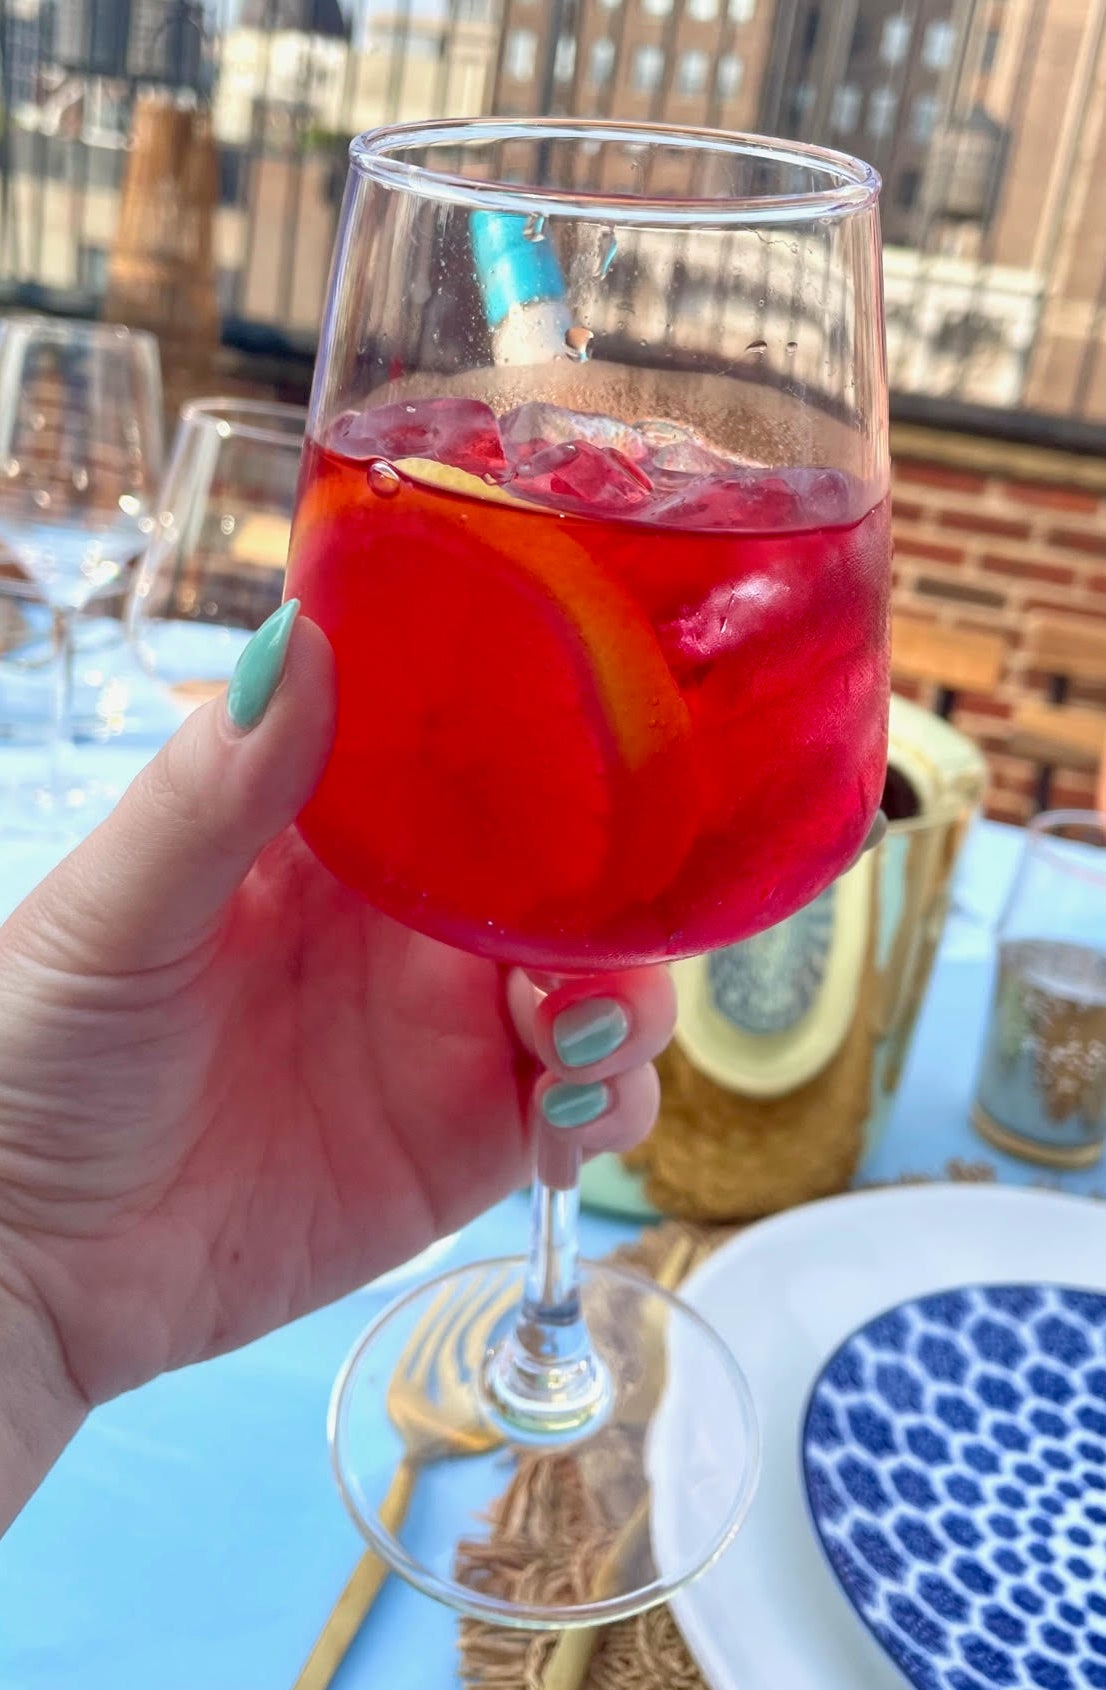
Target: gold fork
432 1411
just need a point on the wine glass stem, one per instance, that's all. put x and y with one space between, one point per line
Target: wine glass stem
545 1381
551 1277
61 739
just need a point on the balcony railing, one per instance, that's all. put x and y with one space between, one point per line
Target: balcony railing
987 119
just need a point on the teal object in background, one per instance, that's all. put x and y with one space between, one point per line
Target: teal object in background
511 268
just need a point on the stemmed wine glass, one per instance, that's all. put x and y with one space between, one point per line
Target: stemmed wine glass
214 568
594 513
80 460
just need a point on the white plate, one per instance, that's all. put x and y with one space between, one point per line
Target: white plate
769 1615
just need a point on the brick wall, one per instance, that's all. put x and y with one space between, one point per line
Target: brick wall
985 533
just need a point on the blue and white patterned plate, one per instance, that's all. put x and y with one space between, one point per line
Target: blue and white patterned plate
954 1453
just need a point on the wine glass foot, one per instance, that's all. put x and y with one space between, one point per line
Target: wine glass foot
599 1521
538 1399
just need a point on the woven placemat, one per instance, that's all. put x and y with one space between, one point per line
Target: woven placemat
549 1543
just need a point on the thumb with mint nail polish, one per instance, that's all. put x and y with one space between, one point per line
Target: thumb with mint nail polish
258 670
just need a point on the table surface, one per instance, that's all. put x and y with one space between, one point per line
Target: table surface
191 1534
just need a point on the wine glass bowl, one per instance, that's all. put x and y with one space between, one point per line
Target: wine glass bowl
80 452
594 513
214 568
711 627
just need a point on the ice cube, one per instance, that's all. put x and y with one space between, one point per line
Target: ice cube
552 425
580 477
752 500
462 432
669 450
826 496
575 460
537 458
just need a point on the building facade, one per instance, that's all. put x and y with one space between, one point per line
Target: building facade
688 61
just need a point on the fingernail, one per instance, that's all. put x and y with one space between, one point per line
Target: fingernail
575 1106
259 668
588 1031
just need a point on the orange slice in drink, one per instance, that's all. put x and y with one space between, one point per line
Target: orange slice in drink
511 749
449 479
642 705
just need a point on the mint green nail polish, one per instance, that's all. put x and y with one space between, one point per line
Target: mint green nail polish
575 1106
588 1031
259 668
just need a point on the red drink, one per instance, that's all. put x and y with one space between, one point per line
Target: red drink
634 709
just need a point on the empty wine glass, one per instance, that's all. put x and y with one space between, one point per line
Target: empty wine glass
214 568
80 461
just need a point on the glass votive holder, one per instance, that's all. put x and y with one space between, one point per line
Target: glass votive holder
1041 1091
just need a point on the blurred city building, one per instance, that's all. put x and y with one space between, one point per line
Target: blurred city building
986 118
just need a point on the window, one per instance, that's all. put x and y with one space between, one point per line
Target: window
896 40
703 11
691 75
923 117
564 60
907 193
990 50
648 69
226 289
602 63
883 103
741 11
656 8
730 74
802 101
412 45
92 265
846 108
940 39
520 55
810 29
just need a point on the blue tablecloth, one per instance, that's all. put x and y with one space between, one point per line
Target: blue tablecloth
191 1535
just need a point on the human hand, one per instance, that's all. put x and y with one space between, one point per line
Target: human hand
230 1090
